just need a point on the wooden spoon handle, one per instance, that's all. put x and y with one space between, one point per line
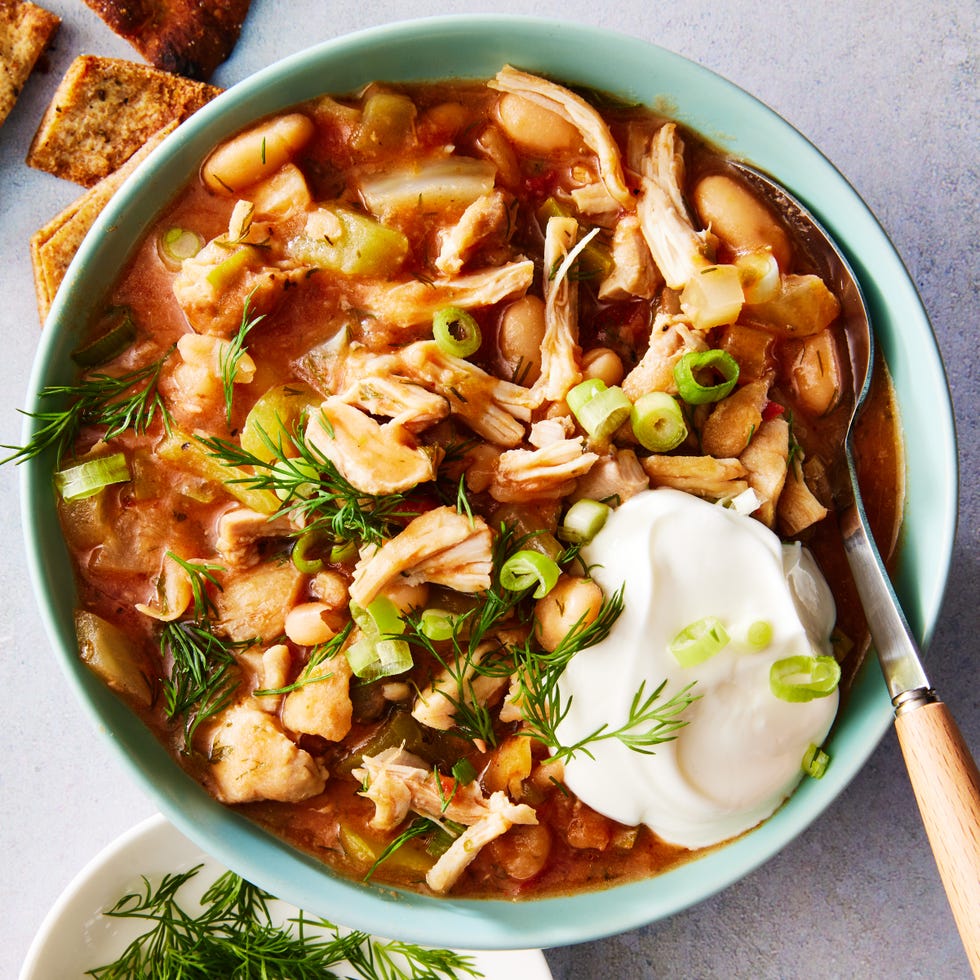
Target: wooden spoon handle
947 788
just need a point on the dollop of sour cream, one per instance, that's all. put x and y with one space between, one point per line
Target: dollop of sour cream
681 559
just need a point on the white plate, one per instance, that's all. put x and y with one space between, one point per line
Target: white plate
75 937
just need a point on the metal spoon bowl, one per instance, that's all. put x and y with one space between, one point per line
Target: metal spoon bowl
941 768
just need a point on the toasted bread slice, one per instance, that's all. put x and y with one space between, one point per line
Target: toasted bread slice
25 31
187 37
54 246
104 110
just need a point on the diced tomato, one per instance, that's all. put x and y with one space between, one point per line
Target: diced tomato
772 411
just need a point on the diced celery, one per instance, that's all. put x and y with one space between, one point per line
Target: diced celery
111 654
187 454
386 122
276 414
222 275
361 246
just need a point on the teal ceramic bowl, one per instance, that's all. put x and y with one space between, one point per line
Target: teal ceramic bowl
477 47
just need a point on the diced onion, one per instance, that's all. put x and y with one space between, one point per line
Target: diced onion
598 409
759 274
815 761
699 642
691 390
803 678
525 568
456 332
583 521
658 422
88 478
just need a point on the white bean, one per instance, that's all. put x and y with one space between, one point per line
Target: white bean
603 363
571 600
520 334
739 219
533 127
257 153
306 625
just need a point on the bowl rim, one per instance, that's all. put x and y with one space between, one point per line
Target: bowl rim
495 923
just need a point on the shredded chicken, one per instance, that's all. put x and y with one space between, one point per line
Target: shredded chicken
197 382
614 477
713 479
634 272
410 303
374 458
676 247
735 419
436 705
440 546
670 339
407 405
571 107
492 408
798 507
252 759
484 218
323 705
766 460
240 532
213 286
549 472
593 199
559 350
253 602
399 783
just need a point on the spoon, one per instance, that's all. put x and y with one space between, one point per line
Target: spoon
941 769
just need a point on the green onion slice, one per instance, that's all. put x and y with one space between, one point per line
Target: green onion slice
343 551
464 772
88 478
691 390
118 333
759 634
583 521
699 642
525 568
437 624
177 244
598 409
308 550
803 678
456 332
378 652
658 422
815 761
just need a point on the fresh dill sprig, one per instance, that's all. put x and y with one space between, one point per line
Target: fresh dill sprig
201 574
231 355
204 674
117 402
235 935
312 489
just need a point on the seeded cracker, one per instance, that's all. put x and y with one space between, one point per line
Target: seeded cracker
104 110
25 31
187 37
54 246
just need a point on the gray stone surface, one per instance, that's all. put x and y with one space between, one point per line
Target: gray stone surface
889 93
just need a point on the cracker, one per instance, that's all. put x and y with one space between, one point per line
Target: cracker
25 31
54 246
187 37
104 110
